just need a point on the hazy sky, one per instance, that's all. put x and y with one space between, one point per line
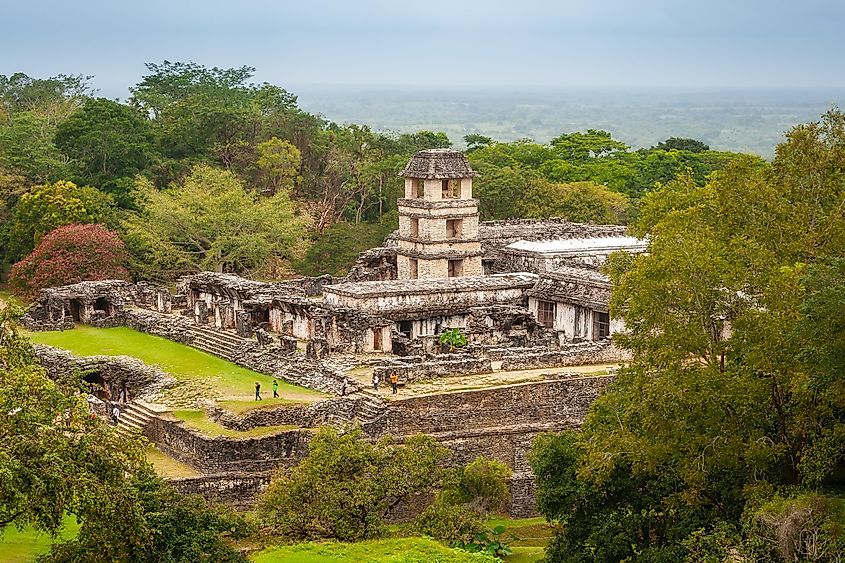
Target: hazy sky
437 43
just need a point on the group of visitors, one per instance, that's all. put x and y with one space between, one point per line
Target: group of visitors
394 381
394 384
258 390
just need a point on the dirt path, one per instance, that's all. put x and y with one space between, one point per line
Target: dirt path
479 380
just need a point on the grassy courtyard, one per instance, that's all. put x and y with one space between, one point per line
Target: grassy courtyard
24 546
217 378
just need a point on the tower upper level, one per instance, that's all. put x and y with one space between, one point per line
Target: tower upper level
437 175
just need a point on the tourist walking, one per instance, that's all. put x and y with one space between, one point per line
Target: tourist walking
257 391
343 389
275 389
115 415
394 381
375 382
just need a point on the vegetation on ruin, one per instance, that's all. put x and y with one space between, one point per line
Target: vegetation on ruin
202 168
199 420
212 377
726 433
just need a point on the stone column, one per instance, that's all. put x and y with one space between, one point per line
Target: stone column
200 312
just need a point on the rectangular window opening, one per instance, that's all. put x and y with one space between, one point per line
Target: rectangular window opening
451 189
378 334
415 227
413 268
546 313
417 188
456 268
601 325
454 228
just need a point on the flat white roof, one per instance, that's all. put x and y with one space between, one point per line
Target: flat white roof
594 244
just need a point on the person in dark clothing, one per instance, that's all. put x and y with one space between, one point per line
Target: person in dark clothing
257 391
343 390
375 382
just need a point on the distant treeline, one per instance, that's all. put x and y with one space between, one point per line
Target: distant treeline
202 168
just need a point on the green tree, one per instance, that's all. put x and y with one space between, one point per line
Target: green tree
280 161
109 143
579 201
336 249
475 141
682 144
730 395
54 457
49 206
211 222
580 146
159 524
347 487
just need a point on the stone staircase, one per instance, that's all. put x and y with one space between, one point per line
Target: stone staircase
372 406
135 415
221 343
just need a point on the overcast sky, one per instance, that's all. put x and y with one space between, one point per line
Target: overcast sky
437 43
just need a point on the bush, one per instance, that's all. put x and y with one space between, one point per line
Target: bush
347 487
70 254
449 523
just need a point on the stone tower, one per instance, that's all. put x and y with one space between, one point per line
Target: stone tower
438 218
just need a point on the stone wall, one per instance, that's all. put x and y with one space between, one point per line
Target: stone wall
115 373
439 366
225 454
238 489
561 403
581 353
333 411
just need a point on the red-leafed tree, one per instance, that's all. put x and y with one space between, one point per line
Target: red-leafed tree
70 254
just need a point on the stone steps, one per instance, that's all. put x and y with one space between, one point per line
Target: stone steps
135 416
217 342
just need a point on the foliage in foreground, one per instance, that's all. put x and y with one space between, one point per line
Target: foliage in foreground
57 460
70 254
726 433
346 488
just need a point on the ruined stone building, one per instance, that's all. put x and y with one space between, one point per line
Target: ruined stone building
526 293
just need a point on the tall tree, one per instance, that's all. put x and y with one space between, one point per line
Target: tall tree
211 222
49 206
109 143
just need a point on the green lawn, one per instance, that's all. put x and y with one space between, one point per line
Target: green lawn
395 550
25 545
223 379
168 467
199 420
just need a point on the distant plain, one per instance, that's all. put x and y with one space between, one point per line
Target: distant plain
744 120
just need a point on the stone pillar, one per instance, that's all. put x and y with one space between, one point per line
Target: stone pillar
200 312
243 324
163 301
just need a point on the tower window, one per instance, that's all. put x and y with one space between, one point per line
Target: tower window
417 188
451 189
413 268
415 227
454 228
456 268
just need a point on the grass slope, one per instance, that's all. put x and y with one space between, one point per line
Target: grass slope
199 420
23 546
397 550
223 379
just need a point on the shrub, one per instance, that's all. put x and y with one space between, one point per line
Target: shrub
70 254
449 523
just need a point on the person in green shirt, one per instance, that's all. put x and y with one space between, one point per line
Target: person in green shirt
275 389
